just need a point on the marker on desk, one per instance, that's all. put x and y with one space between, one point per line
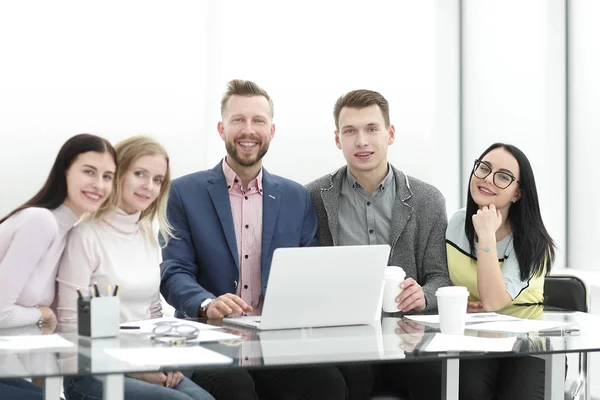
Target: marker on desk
558 332
116 292
129 327
96 289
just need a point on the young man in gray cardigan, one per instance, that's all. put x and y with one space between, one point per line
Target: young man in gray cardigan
368 201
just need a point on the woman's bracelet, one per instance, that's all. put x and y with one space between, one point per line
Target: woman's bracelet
40 322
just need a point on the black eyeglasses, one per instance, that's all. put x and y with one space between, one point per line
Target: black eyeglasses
501 179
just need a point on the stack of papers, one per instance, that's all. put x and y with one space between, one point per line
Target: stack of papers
472 318
169 356
520 326
492 322
442 343
34 342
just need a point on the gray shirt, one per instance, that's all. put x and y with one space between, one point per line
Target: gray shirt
362 219
417 232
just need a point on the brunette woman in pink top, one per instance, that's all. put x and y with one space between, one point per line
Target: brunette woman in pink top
33 236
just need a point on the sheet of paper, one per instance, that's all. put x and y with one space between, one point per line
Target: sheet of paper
146 326
163 356
472 318
441 342
34 342
425 319
519 326
207 336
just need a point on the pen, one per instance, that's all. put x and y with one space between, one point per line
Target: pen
558 332
129 327
116 292
96 289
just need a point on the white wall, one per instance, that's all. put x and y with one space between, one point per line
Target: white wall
123 68
114 69
584 130
307 59
446 142
514 91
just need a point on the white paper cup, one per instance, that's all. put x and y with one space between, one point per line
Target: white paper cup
393 345
452 308
391 288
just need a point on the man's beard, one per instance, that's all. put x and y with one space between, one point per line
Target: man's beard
232 151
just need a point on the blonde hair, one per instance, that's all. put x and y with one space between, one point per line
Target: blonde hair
128 151
239 87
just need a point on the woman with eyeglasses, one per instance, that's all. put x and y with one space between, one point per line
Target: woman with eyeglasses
500 250
119 246
498 247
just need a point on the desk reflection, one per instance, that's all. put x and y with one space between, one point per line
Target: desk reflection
20 363
310 345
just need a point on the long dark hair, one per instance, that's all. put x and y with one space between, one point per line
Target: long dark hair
54 191
533 245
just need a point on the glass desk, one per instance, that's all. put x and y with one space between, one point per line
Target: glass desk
301 347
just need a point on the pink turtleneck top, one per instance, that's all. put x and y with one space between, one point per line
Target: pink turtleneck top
31 244
113 250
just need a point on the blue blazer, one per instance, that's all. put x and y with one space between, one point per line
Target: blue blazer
202 261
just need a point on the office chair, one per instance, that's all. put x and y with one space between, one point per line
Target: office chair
570 293
566 292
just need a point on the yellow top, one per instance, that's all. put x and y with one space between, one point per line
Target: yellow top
462 266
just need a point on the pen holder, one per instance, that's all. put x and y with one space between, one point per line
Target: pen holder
98 317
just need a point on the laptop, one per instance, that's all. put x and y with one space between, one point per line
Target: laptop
321 286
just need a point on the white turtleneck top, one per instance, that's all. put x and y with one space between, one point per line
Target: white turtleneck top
31 243
113 250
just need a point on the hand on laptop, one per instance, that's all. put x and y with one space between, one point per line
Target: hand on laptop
412 296
225 305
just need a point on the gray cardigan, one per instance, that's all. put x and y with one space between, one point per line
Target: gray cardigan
418 227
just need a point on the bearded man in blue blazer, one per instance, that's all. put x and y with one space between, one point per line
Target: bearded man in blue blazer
227 222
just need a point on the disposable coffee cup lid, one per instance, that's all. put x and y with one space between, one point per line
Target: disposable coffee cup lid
452 291
392 271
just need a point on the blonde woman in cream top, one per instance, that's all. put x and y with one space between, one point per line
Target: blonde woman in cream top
112 250
118 246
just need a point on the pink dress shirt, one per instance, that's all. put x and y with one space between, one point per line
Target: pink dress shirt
247 211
